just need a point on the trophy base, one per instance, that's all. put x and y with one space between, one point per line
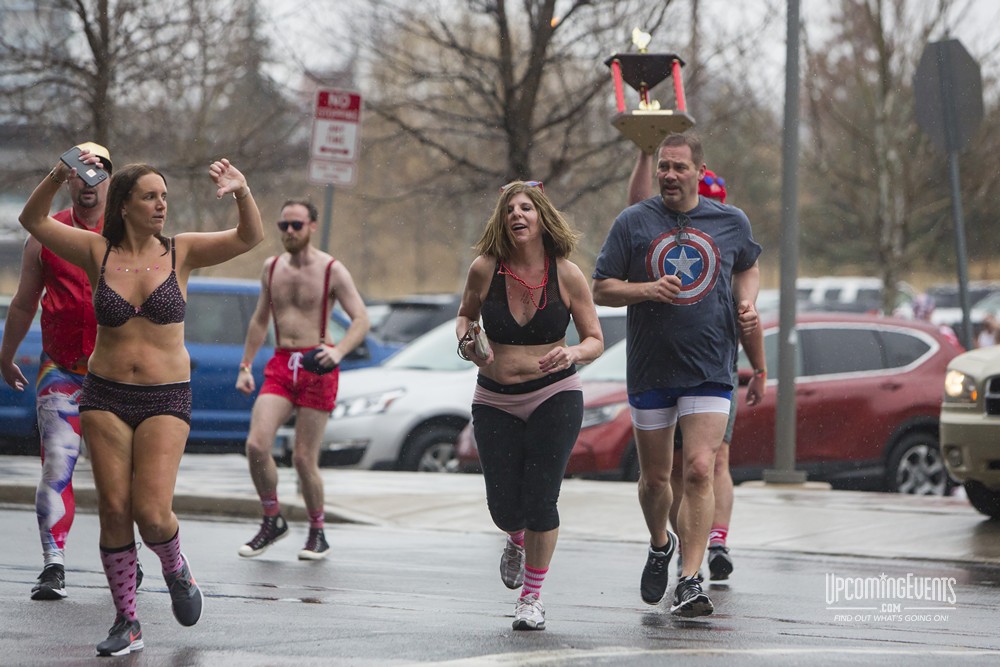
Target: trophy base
646 129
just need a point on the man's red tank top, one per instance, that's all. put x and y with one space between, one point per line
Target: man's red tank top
69 325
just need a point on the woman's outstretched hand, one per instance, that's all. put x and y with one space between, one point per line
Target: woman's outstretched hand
227 177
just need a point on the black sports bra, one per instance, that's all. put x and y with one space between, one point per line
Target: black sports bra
547 325
164 305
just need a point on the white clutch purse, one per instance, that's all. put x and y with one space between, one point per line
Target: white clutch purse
482 343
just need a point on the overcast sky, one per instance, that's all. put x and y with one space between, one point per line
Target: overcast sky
310 30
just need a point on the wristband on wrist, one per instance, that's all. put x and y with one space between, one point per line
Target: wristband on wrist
246 368
246 193
760 372
55 179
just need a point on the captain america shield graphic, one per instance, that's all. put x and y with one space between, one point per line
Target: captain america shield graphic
696 262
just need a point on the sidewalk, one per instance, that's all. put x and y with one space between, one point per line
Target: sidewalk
809 519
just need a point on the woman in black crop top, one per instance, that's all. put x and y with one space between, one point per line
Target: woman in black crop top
135 407
528 404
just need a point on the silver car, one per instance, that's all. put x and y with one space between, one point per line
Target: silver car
407 413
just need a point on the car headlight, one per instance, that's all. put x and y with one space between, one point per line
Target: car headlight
959 388
601 414
369 404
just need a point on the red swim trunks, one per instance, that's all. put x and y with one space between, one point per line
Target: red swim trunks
284 376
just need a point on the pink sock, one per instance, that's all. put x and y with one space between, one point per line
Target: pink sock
533 580
316 518
169 553
717 538
119 567
517 538
270 503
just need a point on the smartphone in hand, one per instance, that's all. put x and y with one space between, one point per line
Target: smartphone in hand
90 173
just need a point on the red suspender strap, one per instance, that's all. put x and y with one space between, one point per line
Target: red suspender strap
326 301
270 275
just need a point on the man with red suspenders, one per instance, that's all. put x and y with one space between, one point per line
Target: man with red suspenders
298 289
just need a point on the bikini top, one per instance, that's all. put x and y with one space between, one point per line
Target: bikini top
547 325
164 305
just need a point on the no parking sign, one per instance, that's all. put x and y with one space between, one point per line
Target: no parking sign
335 137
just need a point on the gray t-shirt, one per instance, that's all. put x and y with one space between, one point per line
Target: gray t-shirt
693 340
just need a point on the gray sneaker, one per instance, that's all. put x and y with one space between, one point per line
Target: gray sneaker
512 565
653 585
720 563
185 596
123 638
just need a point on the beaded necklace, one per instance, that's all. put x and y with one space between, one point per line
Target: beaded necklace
529 295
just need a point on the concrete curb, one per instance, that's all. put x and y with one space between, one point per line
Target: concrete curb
187 504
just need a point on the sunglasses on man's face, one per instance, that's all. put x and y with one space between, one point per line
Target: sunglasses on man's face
297 225
530 184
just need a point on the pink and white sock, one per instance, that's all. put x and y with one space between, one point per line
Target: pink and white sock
517 538
717 538
270 503
316 518
169 553
533 580
119 567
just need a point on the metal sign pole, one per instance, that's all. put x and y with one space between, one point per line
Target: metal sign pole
784 471
327 217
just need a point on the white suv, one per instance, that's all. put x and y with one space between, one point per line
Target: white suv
855 294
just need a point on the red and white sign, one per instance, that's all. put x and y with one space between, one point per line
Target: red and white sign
336 136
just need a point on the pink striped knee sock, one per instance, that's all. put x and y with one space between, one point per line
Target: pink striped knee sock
533 579
119 567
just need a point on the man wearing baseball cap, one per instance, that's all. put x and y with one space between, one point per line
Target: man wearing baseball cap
68 332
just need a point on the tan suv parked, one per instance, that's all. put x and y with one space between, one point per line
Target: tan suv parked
970 426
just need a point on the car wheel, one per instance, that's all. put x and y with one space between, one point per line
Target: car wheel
983 498
916 467
630 464
432 449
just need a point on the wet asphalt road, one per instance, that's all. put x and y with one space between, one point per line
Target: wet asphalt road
395 597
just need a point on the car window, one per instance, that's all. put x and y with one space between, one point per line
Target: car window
844 350
436 350
770 355
407 321
612 326
902 349
214 317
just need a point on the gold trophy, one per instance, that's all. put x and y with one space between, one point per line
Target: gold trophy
647 125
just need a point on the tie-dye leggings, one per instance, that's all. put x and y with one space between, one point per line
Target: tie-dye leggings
57 395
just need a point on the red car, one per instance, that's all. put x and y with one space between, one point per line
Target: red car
868 398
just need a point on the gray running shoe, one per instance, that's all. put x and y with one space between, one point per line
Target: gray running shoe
512 565
123 638
185 596
656 573
720 564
